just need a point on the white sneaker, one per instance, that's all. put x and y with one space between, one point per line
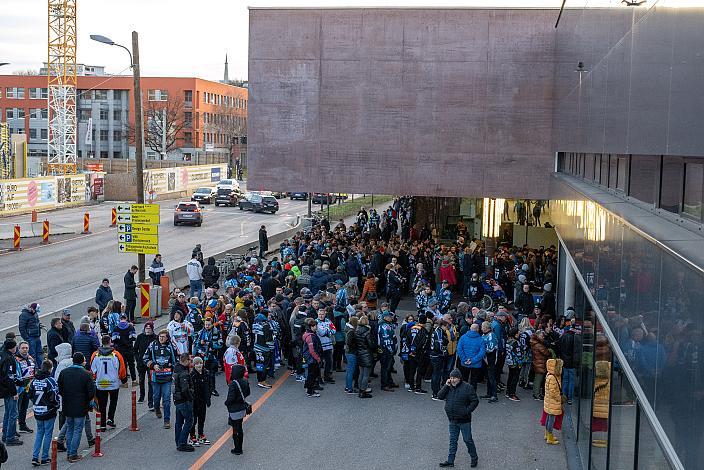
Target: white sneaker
407 386
313 395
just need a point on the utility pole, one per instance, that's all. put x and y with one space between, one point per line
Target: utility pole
164 130
139 137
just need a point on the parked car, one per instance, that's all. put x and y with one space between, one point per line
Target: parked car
299 195
229 184
258 203
188 213
204 195
342 196
323 198
227 197
278 194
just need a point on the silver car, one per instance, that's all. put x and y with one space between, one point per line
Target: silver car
188 213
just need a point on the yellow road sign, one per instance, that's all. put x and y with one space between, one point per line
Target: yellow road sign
137 208
138 238
138 218
147 229
143 248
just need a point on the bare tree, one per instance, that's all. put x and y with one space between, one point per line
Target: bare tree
27 72
162 120
232 123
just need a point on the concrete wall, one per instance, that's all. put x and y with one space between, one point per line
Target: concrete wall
642 92
450 102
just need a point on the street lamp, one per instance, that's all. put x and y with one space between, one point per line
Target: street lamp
4 63
138 123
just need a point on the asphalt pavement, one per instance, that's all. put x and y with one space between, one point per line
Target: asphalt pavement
68 271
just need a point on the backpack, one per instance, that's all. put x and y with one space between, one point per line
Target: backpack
299 328
3 453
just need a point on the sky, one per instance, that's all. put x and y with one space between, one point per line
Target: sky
176 37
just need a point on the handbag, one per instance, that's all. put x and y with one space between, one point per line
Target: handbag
248 408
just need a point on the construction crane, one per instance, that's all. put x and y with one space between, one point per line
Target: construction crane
61 72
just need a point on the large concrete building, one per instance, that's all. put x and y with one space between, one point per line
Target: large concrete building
602 114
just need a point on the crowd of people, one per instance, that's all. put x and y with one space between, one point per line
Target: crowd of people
327 303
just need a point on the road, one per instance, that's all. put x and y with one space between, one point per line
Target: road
289 431
69 270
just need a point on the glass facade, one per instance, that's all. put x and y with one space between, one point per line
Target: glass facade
649 300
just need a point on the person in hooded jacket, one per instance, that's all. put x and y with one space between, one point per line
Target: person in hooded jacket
103 294
156 270
54 338
200 377
364 350
211 273
30 330
233 356
44 392
312 354
160 359
418 340
123 338
65 360
9 381
144 339
77 390
350 354
25 370
471 350
236 403
180 331
263 338
84 341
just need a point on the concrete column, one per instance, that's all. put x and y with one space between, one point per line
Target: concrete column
568 284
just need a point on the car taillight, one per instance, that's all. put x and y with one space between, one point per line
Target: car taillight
196 209
178 210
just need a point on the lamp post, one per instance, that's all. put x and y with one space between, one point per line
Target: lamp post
138 123
4 63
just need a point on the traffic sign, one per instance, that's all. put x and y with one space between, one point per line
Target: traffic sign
143 248
138 238
149 229
138 208
138 218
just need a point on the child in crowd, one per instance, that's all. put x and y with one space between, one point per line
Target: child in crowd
552 403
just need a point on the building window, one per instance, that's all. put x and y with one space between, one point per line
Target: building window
38 93
10 113
103 114
37 113
188 119
693 181
117 135
188 137
33 133
103 154
100 94
188 96
14 113
643 178
158 95
117 94
671 174
117 155
622 173
103 134
117 115
44 134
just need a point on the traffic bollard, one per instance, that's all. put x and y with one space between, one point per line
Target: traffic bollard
54 452
134 426
45 232
34 215
16 239
113 218
98 424
86 223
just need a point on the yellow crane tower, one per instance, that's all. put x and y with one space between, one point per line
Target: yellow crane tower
61 72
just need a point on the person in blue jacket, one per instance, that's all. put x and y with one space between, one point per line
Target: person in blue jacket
471 352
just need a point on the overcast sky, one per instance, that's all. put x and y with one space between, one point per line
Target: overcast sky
177 37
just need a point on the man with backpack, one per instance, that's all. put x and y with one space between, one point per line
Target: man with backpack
298 328
418 346
160 359
44 393
123 338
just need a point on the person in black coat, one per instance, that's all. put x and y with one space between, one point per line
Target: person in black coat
236 403
68 330
54 337
364 348
200 377
183 399
211 274
144 339
460 401
263 241
77 390
130 293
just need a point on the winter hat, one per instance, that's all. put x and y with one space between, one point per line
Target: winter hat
521 278
422 318
279 298
524 267
569 313
547 287
456 373
9 344
33 306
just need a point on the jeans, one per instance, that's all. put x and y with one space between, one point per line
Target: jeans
196 289
184 421
86 427
35 349
327 364
364 378
42 439
351 366
162 392
9 420
568 383
387 362
74 428
549 422
438 369
466 429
